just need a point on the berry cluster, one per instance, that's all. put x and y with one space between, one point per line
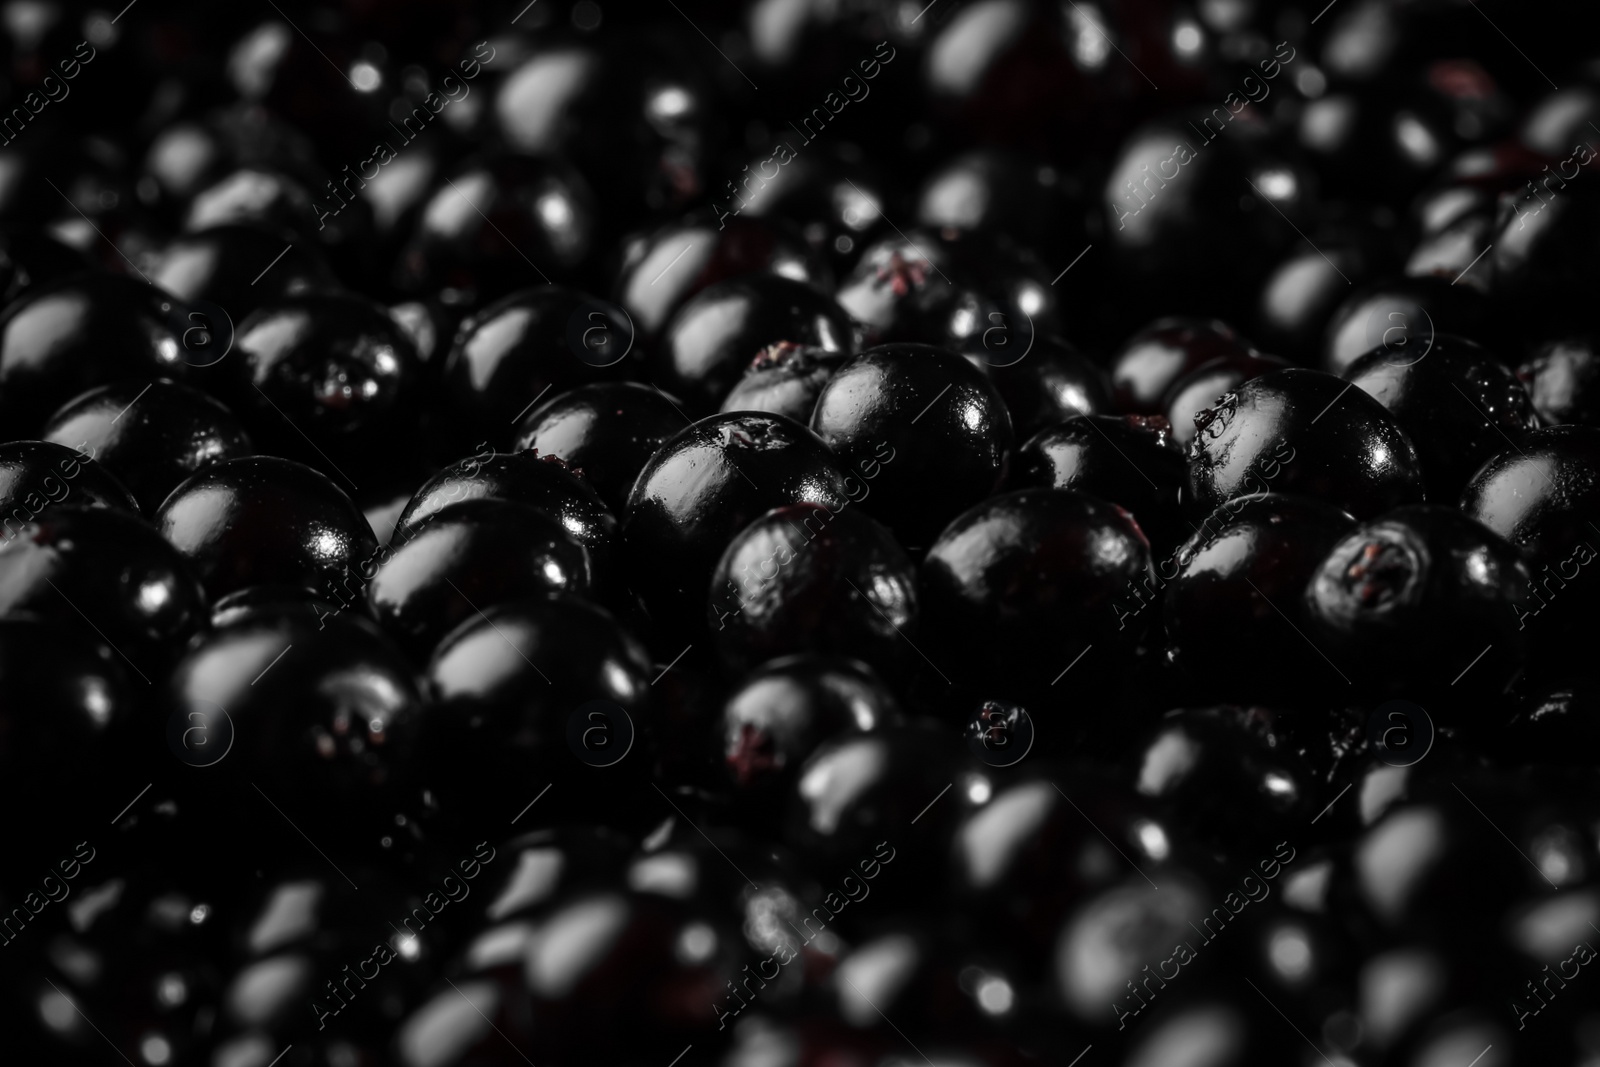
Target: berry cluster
799 534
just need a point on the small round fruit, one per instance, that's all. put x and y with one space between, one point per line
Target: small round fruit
1458 404
151 436
1199 765
1234 603
702 487
784 379
79 333
606 432
1403 315
712 339
1406 602
805 578
64 694
510 353
504 688
1128 461
542 482
105 572
1158 356
335 369
1051 384
855 799
1017 587
239 268
1305 432
309 698
924 429
1563 380
778 715
1200 388
484 227
667 267
36 474
1542 496
467 558
261 520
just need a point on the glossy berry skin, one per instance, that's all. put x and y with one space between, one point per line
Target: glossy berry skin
1414 866
262 520
337 369
79 333
1153 360
1225 589
265 195
630 966
431 325
187 157
1027 854
150 436
806 578
638 115
784 379
578 857
1458 404
1563 381
151 953
1401 600
1302 431
36 474
703 486
65 694
1542 496
855 798
1302 960
467 558
1304 290
605 432
1171 198
900 289
530 342
990 191
503 687
129 583
518 211
336 714
778 715
998 581
712 338
975 293
833 202
924 428
1051 384
678 862
1543 499
1200 388
916 973
224 265
527 478
1002 303
291 939
1126 461
1539 260
1404 315
654 281
1199 763
1221 1019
